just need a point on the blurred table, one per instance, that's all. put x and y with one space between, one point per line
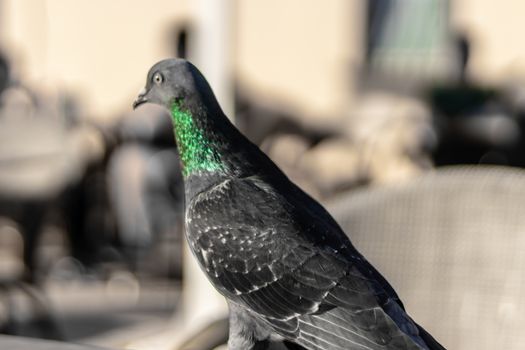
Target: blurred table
20 343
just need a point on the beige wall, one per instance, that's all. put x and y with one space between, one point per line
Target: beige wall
301 51
100 49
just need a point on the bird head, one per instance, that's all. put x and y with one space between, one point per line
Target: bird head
169 81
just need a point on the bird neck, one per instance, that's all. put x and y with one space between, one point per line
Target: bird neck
211 148
198 151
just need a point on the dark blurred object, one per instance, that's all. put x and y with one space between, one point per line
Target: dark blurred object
146 192
476 126
463 47
181 37
460 100
377 14
4 73
451 243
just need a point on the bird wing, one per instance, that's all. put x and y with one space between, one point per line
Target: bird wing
258 250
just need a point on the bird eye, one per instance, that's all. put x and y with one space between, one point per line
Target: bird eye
158 78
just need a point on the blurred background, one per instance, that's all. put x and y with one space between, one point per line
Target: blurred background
405 117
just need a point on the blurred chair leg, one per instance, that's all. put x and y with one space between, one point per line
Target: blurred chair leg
43 313
31 223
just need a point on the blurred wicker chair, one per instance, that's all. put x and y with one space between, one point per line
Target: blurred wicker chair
452 243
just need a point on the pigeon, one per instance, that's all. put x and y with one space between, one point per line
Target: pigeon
290 275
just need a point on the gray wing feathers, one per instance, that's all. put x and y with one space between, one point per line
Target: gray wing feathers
304 291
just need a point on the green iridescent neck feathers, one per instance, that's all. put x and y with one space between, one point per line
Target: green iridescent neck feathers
196 151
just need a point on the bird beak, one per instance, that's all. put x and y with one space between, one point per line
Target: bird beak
141 98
